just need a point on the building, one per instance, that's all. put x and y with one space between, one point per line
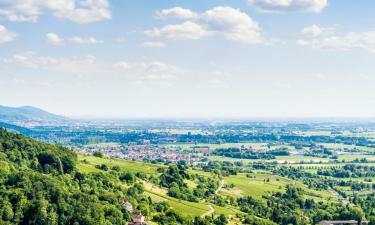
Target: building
127 205
137 219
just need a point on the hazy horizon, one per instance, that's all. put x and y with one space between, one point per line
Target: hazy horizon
190 59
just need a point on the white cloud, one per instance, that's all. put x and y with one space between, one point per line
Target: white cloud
84 40
231 23
153 44
54 39
79 11
176 13
329 39
88 65
149 70
319 76
6 35
186 30
77 64
313 30
315 6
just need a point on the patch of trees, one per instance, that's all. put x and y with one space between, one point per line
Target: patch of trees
348 171
239 153
290 207
173 178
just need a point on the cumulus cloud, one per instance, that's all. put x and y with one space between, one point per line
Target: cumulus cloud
79 11
233 24
176 13
54 39
229 22
84 40
329 39
69 65
149 70
186 30
6 35
153 44
313 30
314 6
89 65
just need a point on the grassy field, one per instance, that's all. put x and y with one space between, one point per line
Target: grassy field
128 165
258 185
185 208
344 146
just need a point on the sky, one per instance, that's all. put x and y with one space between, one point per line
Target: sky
189 58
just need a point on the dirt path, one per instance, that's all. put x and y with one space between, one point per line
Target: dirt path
340 197
221 185
210 212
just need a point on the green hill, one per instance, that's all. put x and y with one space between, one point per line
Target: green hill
27 113
39 184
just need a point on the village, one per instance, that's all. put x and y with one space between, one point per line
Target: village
145 151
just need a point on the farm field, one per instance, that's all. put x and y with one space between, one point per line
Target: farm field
132 166
261 184
340 146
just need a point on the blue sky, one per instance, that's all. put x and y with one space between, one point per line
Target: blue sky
196 58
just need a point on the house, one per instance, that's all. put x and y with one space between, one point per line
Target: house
127 205
202 149
137 219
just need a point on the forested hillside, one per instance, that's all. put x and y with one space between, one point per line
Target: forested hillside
39 184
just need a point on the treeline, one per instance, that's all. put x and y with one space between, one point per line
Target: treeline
239 153
348 171
92 135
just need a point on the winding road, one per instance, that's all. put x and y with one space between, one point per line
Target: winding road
212 210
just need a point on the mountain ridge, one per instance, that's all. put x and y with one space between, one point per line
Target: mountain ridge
27 113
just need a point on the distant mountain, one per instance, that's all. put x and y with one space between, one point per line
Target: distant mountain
27 113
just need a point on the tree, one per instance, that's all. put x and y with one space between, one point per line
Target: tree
221 220
98 154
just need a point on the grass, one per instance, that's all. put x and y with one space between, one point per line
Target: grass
184 208
297 158
258 186
255 187
126 165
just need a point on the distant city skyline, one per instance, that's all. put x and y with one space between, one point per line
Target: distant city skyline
181 59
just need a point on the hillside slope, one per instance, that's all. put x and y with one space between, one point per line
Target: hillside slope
27 113
39 184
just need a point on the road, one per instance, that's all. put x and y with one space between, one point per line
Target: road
340 197
221 185
212 210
